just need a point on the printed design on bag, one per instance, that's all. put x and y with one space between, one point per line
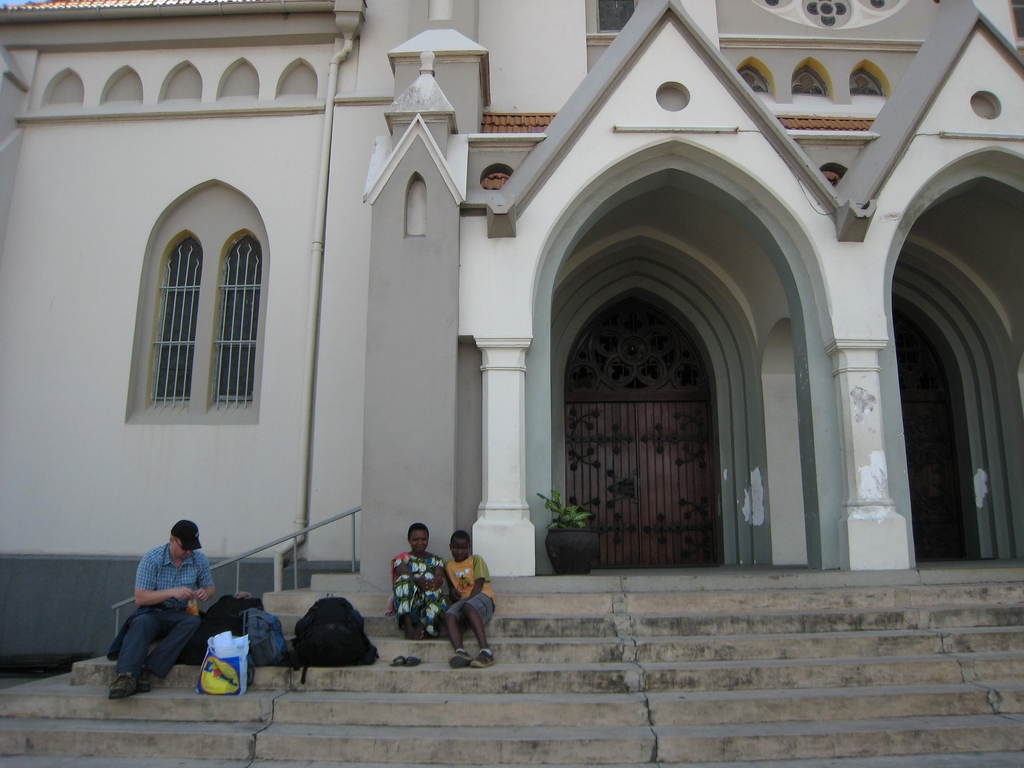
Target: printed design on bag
219 677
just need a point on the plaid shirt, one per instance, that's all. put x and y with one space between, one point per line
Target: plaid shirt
156 571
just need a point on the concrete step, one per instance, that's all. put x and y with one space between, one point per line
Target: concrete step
858 738
514 745
825 704
432 709
100 672
829 673
372 603
127 738
804 622
458 745
622 677
958 760
849 598
57 698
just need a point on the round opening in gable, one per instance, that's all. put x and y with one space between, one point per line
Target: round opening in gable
986 105
673 97
495 176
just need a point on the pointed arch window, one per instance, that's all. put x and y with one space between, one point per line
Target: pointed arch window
863 83
235 368
176 335
758 82
197 355
808 82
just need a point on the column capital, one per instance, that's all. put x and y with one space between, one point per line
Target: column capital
506 354
855 355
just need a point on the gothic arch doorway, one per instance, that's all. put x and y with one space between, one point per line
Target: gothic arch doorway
638 448
928 427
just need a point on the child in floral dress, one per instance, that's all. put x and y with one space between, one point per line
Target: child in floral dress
418 585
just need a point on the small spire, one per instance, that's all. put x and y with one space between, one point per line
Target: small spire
427 63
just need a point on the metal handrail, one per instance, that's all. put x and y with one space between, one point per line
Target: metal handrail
237 560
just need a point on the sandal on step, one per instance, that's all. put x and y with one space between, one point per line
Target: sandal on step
459 660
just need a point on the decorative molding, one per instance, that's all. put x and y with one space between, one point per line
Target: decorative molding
675 128
833 137
981 135
165 114
842 345
820 43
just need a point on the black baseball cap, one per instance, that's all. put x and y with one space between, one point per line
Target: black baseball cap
187 533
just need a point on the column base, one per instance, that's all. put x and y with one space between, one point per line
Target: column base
506 545
876 539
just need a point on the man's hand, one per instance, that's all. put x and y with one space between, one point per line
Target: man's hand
201 595
181 593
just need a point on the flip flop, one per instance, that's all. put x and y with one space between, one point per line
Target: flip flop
405 661
459 660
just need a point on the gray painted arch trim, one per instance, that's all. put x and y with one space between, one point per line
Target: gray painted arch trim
976 352
575 116
796 263
686 291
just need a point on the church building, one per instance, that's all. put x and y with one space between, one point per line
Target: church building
738 277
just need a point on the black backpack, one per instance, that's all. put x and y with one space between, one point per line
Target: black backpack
225 615
331 634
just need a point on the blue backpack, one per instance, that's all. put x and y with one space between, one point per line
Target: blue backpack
266 639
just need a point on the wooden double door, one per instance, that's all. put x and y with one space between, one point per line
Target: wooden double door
936 500
638 447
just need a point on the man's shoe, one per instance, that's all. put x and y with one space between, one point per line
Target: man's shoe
483 659
145 683
123 686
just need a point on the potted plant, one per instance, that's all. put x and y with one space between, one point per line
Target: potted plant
572 546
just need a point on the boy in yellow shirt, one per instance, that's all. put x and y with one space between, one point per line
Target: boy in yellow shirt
468 575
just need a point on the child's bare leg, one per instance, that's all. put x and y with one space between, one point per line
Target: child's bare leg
477 625
454 630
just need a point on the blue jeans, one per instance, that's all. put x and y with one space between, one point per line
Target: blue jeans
175 627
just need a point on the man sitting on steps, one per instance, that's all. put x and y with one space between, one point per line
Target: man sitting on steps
168 577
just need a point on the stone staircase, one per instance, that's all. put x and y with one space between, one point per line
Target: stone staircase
690 667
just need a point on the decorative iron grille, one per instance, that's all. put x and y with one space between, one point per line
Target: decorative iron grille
176 336
235 369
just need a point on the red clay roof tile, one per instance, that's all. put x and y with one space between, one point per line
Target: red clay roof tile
806 123
515 122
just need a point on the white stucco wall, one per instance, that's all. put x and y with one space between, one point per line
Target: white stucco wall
88 197
524 75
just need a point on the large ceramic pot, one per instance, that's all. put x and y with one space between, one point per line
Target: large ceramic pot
572 550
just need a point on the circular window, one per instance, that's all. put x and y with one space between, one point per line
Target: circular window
495 176
986 105
673 96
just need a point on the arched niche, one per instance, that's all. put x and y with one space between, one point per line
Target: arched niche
953 269
183 83
416 207
298 79
239 81
124 86
602 247
65 89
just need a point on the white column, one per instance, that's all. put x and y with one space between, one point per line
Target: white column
503 533
873 535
